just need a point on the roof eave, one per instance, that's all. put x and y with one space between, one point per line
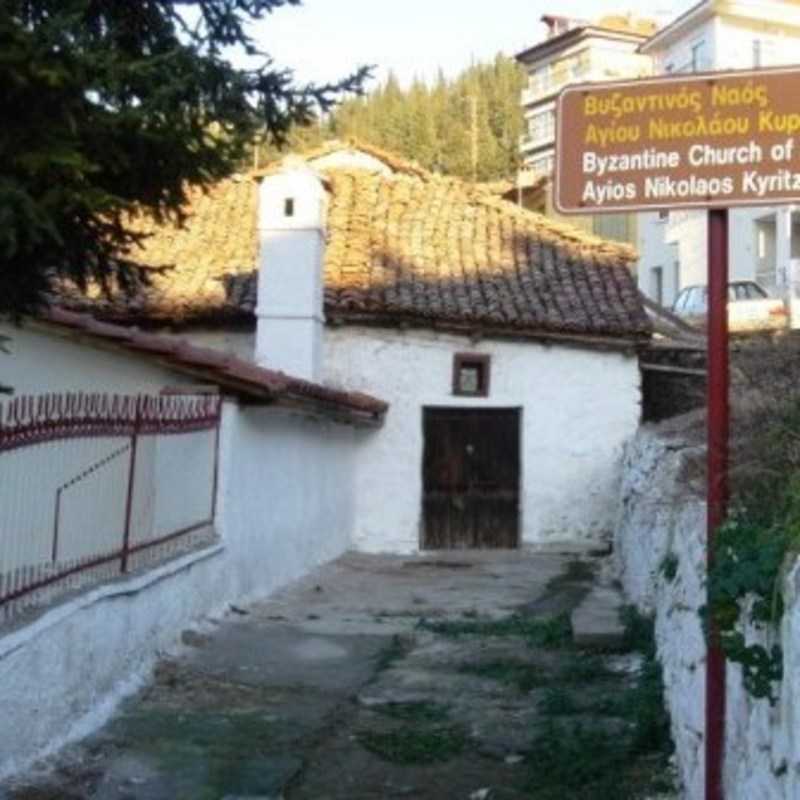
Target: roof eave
550 46
238 378
597 341
697 14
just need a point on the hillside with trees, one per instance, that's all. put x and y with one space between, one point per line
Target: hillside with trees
468 126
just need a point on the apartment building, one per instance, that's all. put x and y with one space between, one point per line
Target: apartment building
765 242
577 51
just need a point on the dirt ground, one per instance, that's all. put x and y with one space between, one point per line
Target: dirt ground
431 677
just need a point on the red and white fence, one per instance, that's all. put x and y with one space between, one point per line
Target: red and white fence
92 486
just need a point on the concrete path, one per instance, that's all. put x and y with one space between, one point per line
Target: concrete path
376 677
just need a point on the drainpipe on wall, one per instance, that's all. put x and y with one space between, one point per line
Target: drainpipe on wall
289 313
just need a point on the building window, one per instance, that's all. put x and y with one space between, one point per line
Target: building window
542 126
763 53
471 375
699 62
657 285
542 165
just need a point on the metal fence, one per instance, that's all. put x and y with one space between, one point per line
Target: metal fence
92 486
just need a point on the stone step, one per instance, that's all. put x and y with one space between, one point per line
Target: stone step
596 622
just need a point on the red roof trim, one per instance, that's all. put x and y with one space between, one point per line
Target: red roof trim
226 370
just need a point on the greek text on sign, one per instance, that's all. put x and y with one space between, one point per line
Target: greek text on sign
716 139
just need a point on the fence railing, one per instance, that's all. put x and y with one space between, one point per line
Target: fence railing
92 486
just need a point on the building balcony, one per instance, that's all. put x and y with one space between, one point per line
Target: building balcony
535 141
544 88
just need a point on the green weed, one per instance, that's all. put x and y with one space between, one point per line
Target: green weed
551 632
413 745
421 711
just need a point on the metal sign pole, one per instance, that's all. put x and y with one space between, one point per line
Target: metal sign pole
718 444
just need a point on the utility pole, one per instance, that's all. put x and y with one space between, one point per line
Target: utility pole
474 126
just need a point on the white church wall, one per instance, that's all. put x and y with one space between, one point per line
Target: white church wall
578 408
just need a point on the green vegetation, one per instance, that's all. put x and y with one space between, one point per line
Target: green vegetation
469 126
416 745
669 567
422 711
616 746
762 534
110 108
747 575
512 673
550 632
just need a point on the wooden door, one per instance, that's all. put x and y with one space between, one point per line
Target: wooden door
471 472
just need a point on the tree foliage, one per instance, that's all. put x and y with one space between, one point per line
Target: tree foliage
468 126
112 108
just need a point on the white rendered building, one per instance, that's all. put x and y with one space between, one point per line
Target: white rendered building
764 242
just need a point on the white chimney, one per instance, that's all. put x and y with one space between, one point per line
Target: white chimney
289 313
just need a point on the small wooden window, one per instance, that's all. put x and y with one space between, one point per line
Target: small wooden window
471 375
288 207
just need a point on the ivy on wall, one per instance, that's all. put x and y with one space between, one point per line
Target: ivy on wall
745 586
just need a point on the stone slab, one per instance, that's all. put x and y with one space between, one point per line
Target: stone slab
596 622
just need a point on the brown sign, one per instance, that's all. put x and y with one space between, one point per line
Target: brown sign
706 140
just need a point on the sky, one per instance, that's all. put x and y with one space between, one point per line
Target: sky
325 39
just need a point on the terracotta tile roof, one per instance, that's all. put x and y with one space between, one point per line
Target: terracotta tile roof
403 248
234 374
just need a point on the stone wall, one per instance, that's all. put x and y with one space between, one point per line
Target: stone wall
660 557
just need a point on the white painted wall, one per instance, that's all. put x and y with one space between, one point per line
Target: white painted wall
62 676
45 362
728 44
285 505
287 494
658 516
579 407
655 252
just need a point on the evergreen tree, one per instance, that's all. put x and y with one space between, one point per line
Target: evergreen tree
114 107
469 126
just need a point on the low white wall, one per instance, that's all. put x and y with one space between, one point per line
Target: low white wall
578 408
62 676
285 505
659 516
286 501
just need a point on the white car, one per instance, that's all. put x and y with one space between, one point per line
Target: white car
750 308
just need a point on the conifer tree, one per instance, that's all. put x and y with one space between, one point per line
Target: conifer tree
115 106
443 126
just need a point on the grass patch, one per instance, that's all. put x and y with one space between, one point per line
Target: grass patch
639 632
579 571
582 668
570 761
523 677
599 759
413 745
421 711
552 632
557 702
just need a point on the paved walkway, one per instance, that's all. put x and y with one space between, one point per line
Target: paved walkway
431 677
